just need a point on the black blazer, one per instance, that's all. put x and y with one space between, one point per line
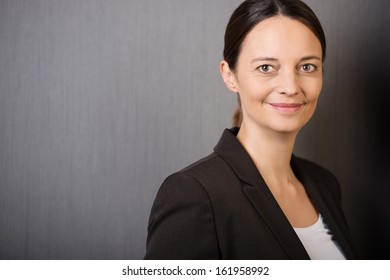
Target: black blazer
221 208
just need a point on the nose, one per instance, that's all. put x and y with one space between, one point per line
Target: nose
288 83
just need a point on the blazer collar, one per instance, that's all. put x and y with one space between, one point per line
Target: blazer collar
231 150
255 188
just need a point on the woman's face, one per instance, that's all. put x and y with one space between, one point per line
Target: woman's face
278 75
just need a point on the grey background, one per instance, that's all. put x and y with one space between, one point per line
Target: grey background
101 100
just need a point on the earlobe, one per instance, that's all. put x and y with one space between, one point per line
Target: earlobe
228 76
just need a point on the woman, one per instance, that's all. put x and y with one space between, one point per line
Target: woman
252 198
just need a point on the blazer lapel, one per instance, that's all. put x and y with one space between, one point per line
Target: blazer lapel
267 207
259 195
333 219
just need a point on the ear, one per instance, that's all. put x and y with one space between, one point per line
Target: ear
228 76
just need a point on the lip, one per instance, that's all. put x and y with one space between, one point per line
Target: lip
287 107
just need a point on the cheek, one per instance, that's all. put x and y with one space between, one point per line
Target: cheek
255 91
313 89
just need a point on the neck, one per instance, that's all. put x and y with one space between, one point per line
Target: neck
271 152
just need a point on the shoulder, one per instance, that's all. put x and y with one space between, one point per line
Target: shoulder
212 167
193 176
212 161
203 180
314 168
320 174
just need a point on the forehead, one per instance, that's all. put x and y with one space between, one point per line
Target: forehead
281 37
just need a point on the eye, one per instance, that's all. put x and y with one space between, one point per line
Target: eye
308 68
266 68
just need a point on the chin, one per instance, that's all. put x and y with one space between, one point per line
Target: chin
293 129
287 131
290 125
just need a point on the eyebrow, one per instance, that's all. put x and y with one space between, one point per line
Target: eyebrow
310 57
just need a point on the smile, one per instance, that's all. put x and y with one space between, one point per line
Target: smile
287 107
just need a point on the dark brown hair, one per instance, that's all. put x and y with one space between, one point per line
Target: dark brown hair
250 13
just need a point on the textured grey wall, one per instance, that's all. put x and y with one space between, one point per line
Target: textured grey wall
101 100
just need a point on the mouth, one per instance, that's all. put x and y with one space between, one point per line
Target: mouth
287 107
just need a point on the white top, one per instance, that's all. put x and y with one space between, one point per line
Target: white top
317 240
